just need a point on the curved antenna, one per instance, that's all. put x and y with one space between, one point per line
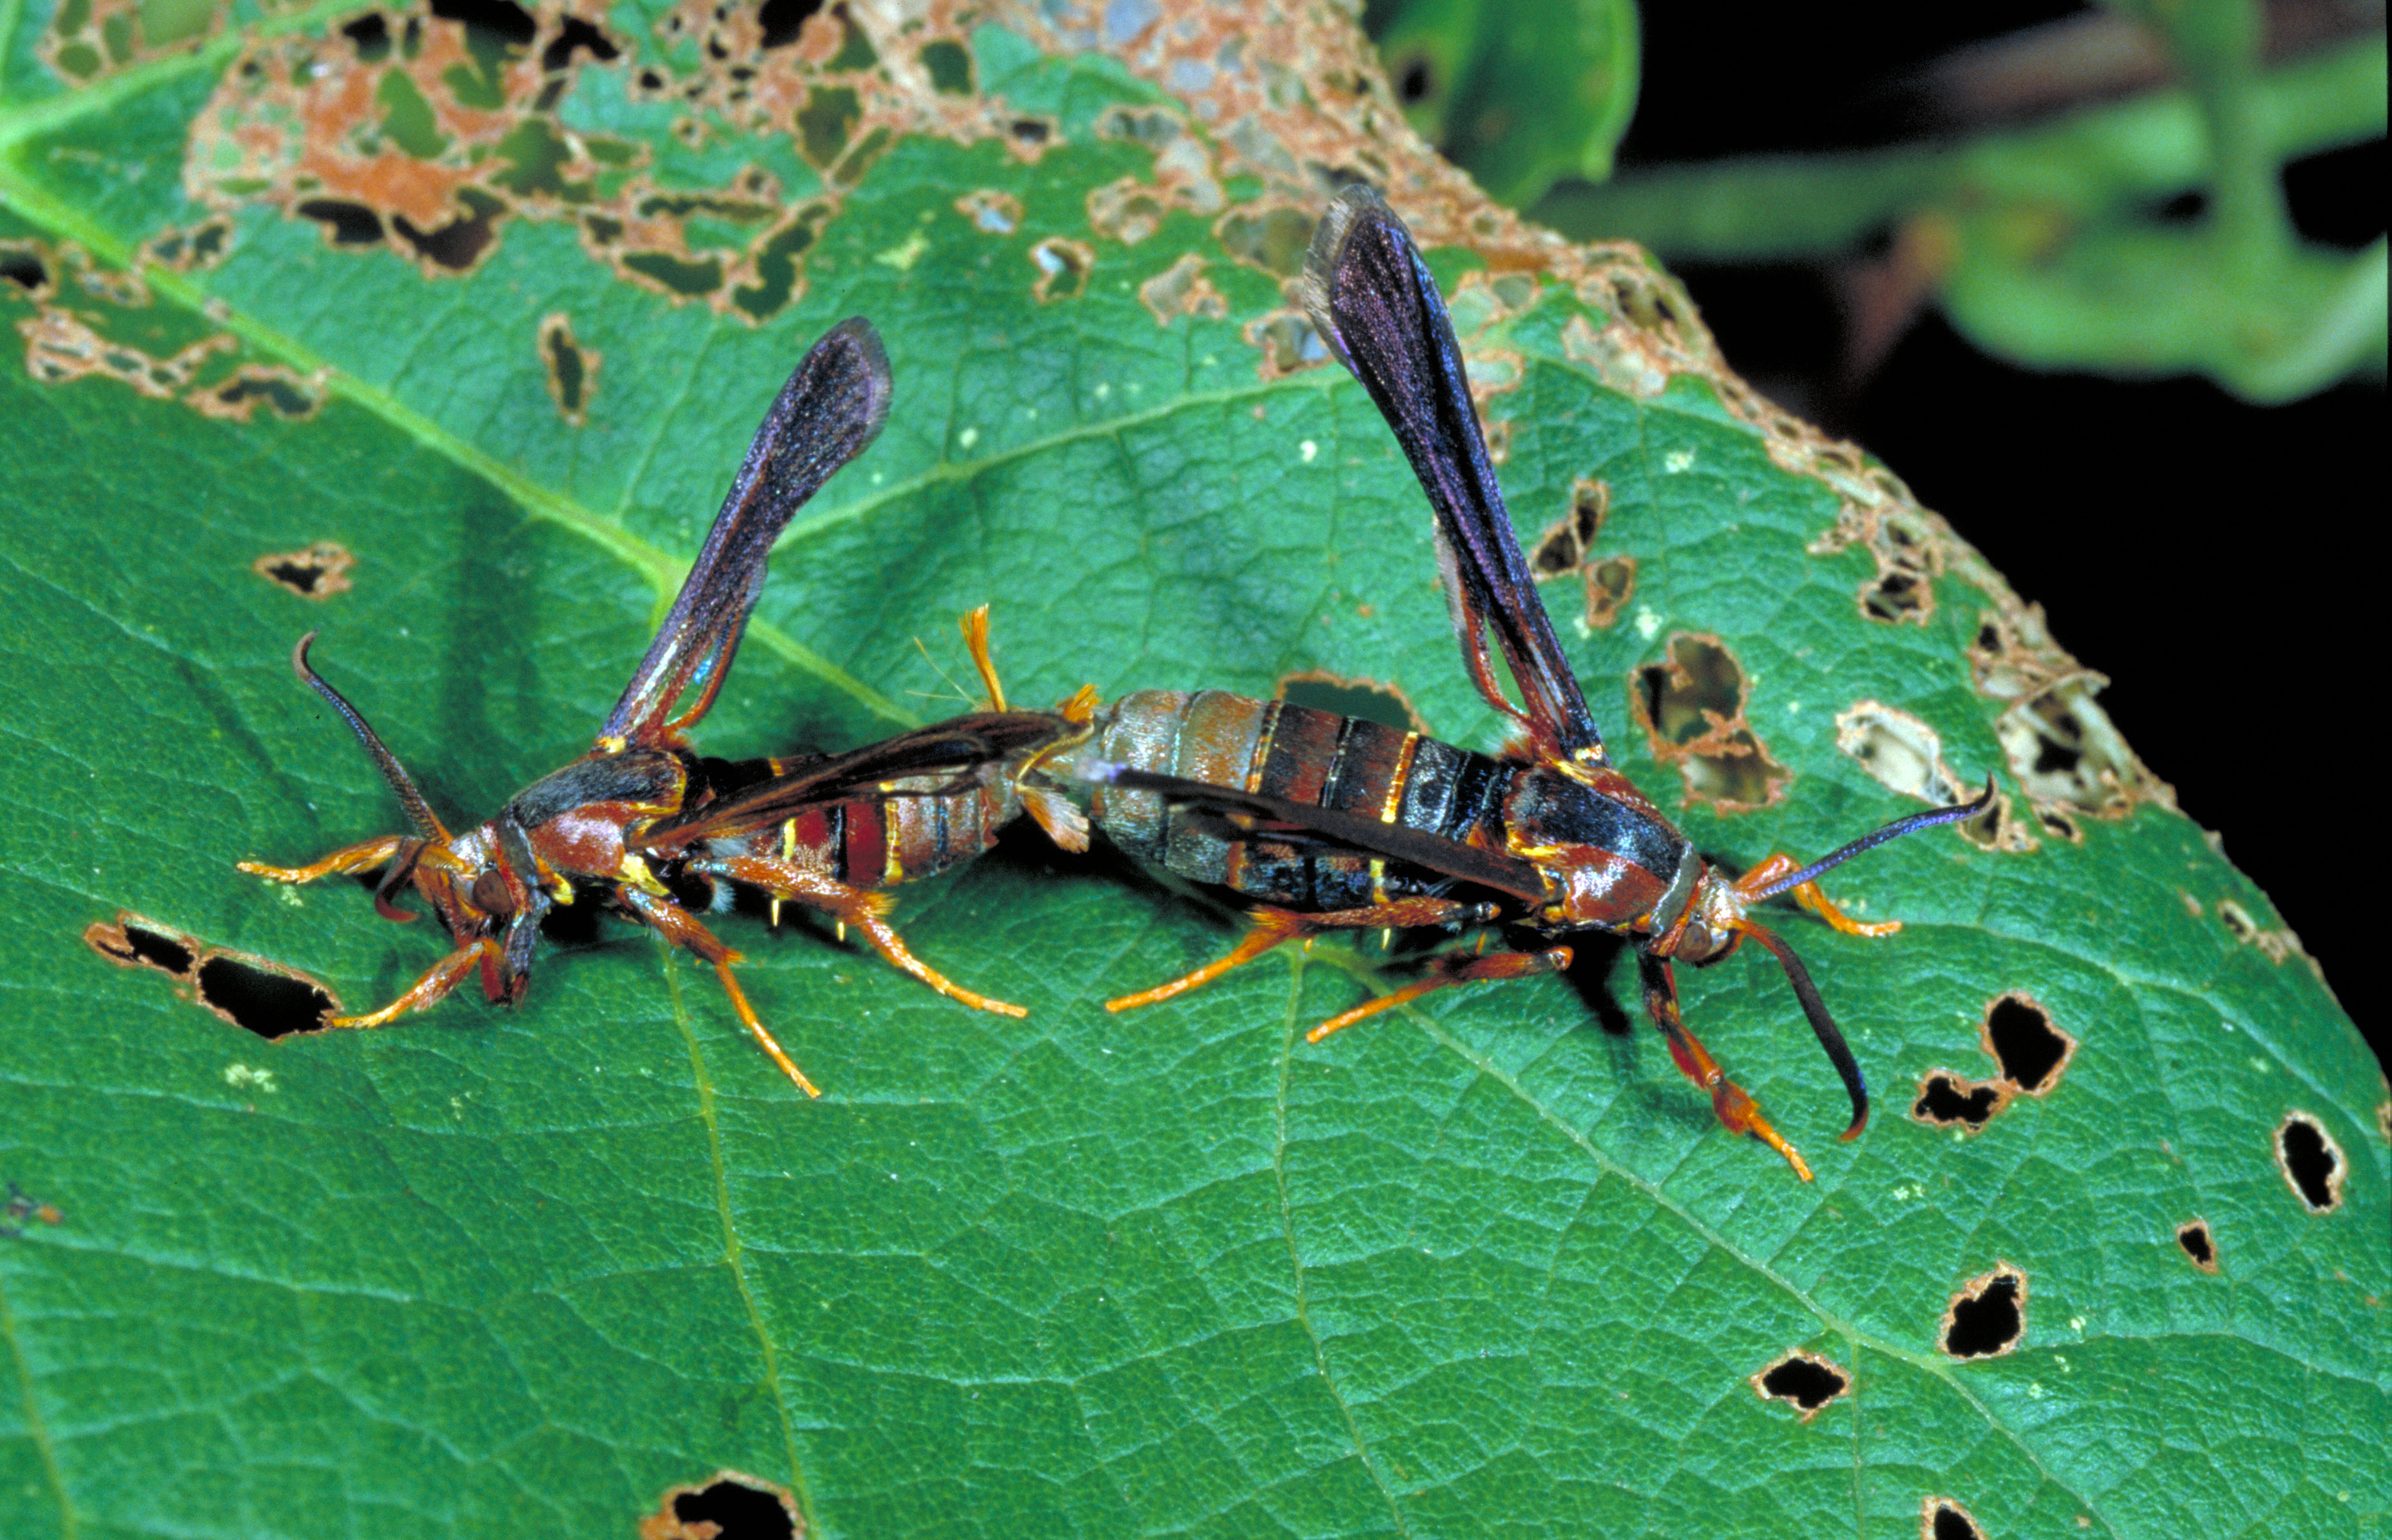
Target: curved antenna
1894 830
1823 1026
411 797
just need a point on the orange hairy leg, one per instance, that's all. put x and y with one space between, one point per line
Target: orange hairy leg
1738 1111
1452 967
849 906
1274 927
681 927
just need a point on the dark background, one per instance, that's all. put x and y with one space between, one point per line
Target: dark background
2200 552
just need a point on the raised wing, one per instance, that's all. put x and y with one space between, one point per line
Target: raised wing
1258 815
830 409
1373 301
956 748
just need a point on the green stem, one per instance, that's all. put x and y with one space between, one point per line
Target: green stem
2142 151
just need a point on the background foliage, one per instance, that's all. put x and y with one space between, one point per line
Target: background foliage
288 276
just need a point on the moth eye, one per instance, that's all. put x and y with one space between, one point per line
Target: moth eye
490 894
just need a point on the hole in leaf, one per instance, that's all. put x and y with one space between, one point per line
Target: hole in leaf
460 243
132 941
1947 1100
1287 340
370 34
270 387
1274 240
2194 1236
347 224
1804 1379
1692 705
572 368
24 269
250 992
257 996
1415 82
1368 699
1564 545
576 34
2311 1162
1030 133
991 212
319 572
1987 1318
1610 584
783 20
1941 1519
1063 268
729 1507
2029 1051
500 19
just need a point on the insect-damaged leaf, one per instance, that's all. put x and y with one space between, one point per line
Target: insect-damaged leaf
1479 1265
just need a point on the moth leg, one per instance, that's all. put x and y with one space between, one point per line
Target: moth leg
1275 926
1271 927
864 910
1738 1111
1811 897
681 927
438 980
1452 967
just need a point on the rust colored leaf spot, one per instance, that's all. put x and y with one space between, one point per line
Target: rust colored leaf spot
572 368
2030 1053
20 1207
2311 1161
248 992
991 212
319 572
1941 1519
1692 709
728 1505
1805 1380
1182 290
2194 1236
1369 699
1063 268
1987 1318
1947 1100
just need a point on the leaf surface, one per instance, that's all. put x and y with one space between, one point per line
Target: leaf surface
1488 1265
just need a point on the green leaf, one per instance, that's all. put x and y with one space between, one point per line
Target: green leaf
1479 1265
1518 94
